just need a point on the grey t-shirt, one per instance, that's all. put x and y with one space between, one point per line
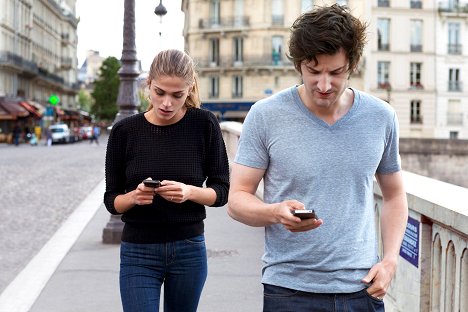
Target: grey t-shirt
329 168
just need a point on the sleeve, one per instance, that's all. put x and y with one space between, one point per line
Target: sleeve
390 161
252 150
115 167
217 163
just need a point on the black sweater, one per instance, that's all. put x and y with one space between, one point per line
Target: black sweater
191 151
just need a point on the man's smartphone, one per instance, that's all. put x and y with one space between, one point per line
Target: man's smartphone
305 214
152 183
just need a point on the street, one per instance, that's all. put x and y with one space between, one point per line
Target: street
40 187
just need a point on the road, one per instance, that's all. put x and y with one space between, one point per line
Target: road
40 187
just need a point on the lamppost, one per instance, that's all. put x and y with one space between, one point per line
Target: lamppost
127 100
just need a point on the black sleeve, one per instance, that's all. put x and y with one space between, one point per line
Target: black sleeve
217 163
115 167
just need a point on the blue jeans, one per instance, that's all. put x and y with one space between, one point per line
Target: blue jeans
280 299
181 266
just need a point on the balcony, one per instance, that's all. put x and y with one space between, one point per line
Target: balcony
416 86
227 23
8 59
454 49
384 47
383 3
452 7
66 63
246 62
416 48
277 20
414 4
455 86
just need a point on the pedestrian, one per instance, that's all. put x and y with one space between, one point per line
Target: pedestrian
317 146
181 145
16 134
95 132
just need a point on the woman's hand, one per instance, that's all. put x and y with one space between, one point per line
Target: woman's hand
143 195
174 191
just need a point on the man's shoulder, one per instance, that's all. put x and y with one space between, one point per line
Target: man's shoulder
279 98
372 102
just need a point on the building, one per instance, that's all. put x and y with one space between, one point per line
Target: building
38 59
414 58
89 70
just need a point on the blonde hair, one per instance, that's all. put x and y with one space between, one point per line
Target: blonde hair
176 63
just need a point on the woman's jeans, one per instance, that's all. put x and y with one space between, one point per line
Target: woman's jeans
280 299
181 266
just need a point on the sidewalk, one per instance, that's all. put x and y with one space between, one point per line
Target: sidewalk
87 277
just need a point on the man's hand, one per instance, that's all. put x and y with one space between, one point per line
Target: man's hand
283 213
379 278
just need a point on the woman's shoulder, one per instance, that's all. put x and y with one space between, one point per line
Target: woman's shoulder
202 114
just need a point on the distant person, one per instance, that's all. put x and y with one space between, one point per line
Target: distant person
48 136
16 134
180 144
318 146
95 133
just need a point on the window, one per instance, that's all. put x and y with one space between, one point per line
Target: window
415 75
239 12
383 29
383 3
454 113
454 83
416 4
383 75
453 135
214 87
454 46
416 35
415 113
238 53
277 17
306 5
237 86
215 12
276 50
214 52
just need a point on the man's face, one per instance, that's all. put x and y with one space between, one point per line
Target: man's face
326 80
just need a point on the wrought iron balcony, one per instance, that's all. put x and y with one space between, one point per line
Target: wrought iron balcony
231 22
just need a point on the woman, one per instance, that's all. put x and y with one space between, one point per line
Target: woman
176 142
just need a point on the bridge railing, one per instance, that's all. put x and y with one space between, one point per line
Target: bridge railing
433 267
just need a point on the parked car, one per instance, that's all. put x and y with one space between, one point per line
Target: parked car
61 133
86 132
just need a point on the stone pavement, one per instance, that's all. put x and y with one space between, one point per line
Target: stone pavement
85 278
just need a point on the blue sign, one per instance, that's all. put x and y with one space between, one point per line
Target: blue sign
410 246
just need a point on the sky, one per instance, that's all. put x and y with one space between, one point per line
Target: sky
101 28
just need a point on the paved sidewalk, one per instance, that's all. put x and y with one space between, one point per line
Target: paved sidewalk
87 277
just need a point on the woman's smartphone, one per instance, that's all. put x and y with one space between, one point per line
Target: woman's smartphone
305 214
152 183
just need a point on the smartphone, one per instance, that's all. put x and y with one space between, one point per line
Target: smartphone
152 183
305 214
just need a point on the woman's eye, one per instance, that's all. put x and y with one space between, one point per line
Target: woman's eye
178 96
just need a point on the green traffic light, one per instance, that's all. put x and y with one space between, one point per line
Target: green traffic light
54 99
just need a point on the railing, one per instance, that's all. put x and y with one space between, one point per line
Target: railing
247 61
433 268
227 22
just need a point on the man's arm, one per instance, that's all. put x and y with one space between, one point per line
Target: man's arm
245 207
393 224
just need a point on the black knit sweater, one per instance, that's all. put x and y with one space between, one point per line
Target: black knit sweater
191 151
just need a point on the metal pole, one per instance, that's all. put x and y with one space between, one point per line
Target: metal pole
127 100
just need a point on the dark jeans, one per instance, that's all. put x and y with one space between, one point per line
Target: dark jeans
280 299
181 266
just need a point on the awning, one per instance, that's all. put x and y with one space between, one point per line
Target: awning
70 114
39 107
13 107
31 109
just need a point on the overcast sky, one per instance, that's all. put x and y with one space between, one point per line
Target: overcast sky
101 28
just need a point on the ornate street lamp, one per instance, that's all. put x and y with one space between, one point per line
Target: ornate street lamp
127 100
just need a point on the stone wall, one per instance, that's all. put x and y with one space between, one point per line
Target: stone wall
441 159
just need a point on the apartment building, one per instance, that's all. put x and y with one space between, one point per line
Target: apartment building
38 50
414 58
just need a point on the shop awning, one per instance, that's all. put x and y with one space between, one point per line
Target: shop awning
39 107
70 114
31 109
13 108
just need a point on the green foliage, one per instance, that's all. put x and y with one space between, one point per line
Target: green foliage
106 90
85 100
144 101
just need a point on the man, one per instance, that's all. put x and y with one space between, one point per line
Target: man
318 146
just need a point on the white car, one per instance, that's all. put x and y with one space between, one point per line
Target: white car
60 133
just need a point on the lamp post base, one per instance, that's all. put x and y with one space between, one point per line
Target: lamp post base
112 233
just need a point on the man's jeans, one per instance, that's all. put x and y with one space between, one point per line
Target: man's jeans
180 265
279 299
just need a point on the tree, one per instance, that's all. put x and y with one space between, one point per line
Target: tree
85 100
106 90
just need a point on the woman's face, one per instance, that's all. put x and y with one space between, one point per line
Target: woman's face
167 96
